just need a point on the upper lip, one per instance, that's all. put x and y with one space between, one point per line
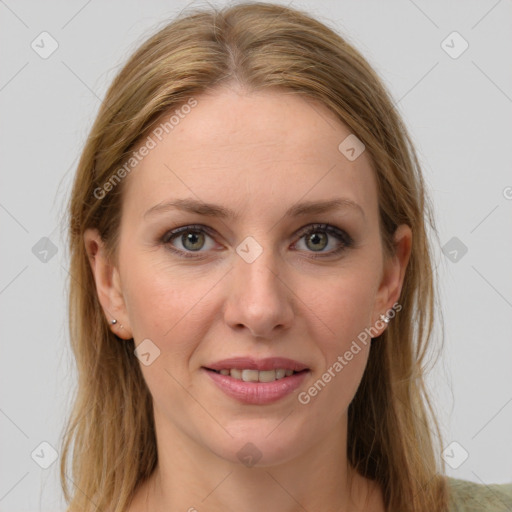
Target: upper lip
249 363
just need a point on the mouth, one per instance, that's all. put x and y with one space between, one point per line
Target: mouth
257 382
248 369
251 375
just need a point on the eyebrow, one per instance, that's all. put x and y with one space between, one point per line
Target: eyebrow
214 210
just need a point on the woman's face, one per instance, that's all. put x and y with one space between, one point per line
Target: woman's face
250 283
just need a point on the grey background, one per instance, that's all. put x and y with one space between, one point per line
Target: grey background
457 109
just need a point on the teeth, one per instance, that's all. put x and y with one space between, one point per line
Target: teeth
257 376
267 376
280 374
237 374
250 375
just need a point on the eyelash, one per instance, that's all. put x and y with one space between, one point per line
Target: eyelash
342 236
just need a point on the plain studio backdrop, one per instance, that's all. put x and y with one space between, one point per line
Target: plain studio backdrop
448 68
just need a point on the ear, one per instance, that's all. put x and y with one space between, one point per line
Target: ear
392 277
108 285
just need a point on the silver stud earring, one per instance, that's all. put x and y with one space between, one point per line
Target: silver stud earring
384 318
113 322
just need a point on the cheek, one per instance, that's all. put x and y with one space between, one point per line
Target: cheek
345 305
169 307
164 301
345 310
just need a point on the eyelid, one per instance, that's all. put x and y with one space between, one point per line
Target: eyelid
341 235
328 228
172 233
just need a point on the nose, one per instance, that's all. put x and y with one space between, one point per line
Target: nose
259 299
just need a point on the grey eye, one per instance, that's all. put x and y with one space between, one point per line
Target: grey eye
192 241
316 241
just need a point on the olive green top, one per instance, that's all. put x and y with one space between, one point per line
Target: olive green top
468 496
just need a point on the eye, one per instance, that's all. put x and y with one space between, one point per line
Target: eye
317 239
192 239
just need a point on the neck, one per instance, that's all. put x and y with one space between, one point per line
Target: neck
189 477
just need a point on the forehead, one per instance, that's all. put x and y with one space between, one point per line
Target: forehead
252 152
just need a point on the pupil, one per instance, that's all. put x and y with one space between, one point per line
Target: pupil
191 238
315 238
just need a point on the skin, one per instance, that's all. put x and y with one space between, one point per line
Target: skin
258 154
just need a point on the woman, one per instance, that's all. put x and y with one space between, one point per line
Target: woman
253 292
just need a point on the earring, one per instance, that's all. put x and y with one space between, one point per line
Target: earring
113 322
384 318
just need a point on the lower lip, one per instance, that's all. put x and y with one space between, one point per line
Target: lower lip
257 393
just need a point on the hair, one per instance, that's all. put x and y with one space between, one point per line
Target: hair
392 428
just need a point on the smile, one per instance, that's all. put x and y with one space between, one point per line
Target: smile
255 391
248 375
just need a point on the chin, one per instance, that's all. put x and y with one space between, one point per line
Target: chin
260 445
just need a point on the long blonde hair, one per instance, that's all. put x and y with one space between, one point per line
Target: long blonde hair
393 435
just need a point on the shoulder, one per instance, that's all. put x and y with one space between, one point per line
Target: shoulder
466 496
